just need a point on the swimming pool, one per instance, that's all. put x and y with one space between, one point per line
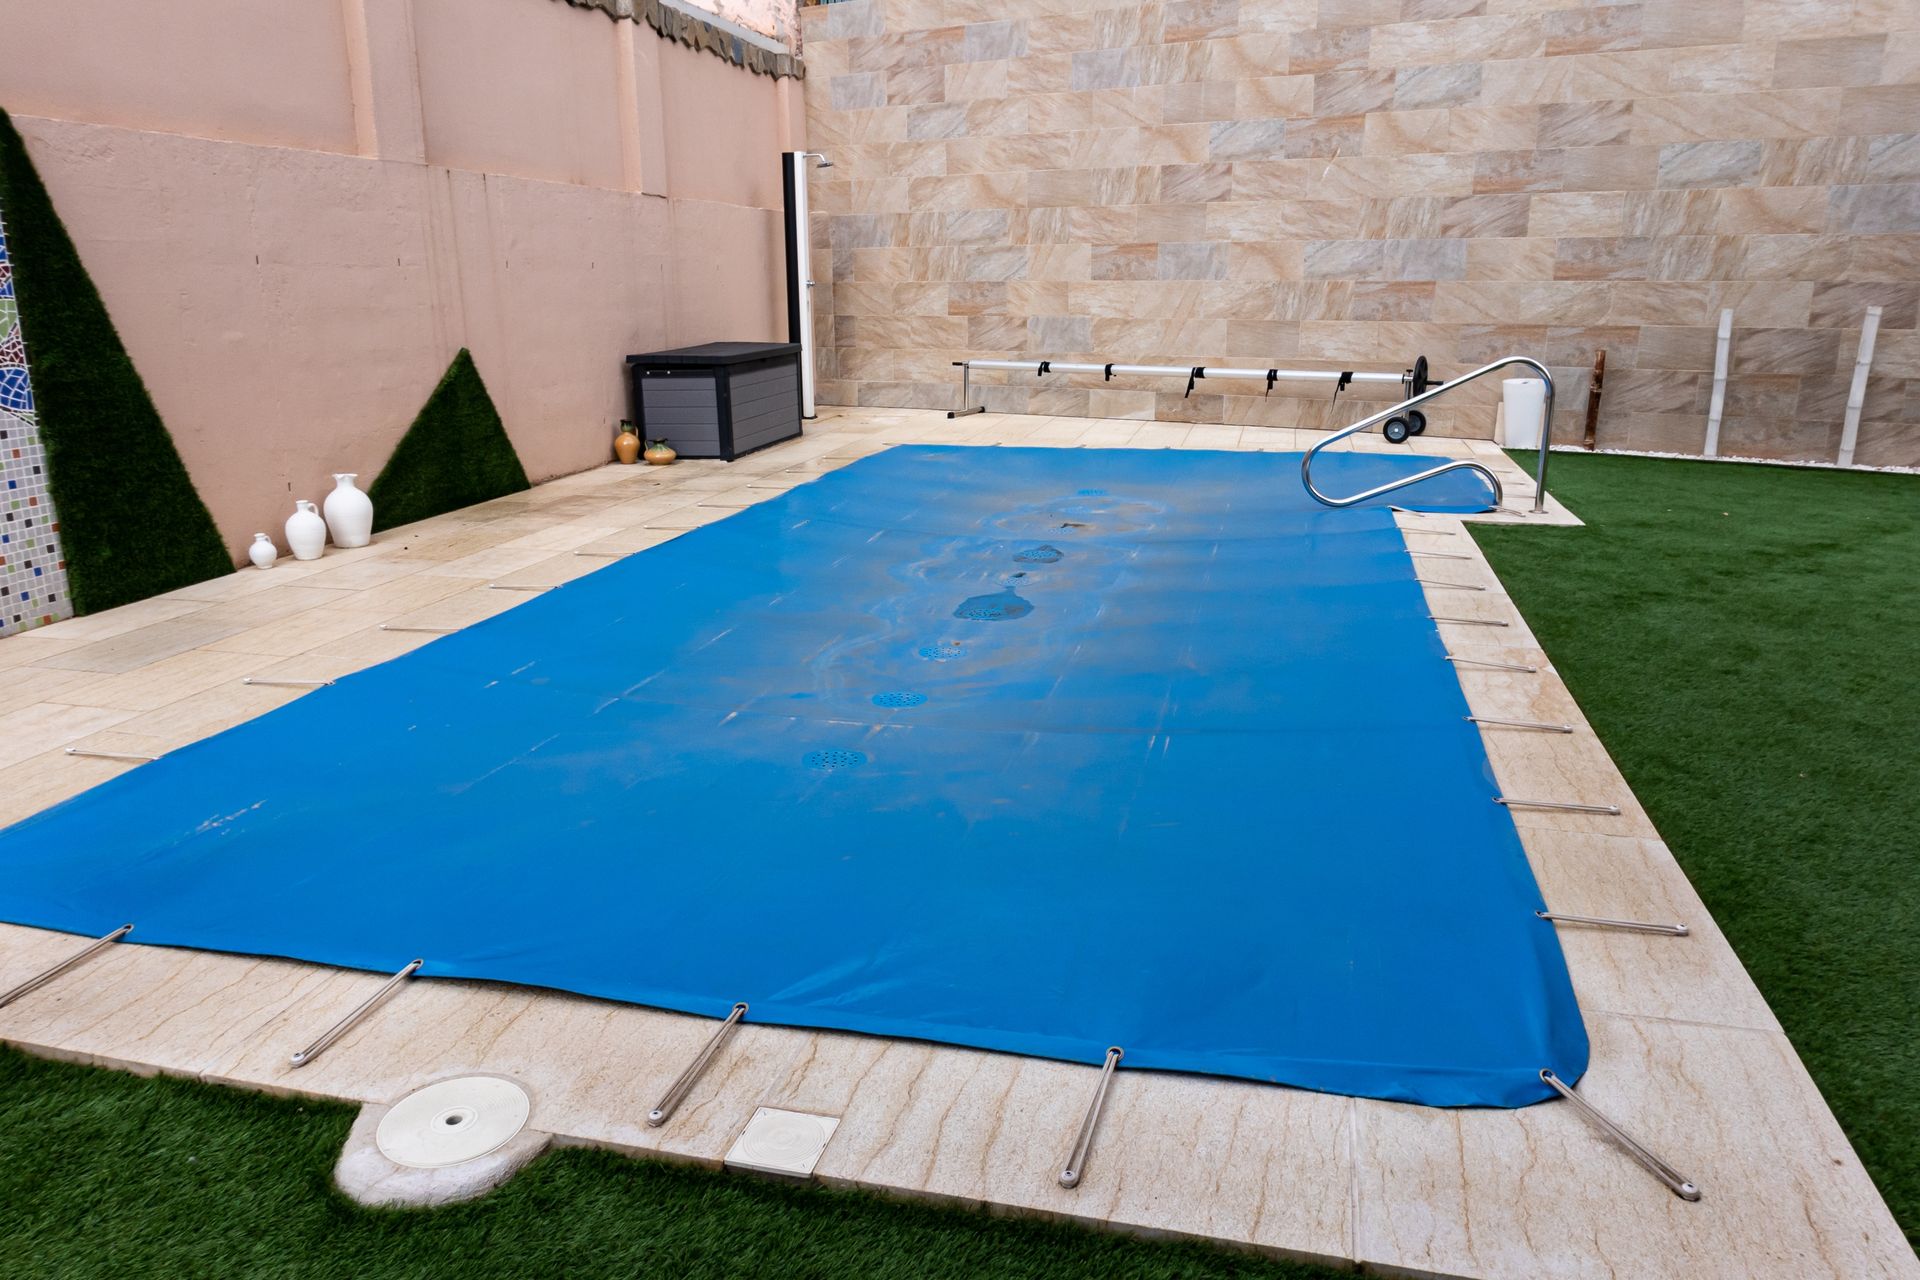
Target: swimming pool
1031 750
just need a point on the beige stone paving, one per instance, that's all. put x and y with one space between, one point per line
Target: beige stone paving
1685 1050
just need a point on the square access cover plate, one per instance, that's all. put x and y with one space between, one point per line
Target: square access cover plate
787 1143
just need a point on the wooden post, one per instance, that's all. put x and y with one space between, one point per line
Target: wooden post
1593 395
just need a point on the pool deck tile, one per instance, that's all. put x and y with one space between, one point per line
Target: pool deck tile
1686 1053
50 726
46 779
1538 1192
1179 1155
148 1009
130 650
113 622
23 686
1696 978
160 683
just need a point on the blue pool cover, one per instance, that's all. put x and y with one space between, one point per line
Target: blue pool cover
1028 749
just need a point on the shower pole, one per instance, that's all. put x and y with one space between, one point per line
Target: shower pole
794 170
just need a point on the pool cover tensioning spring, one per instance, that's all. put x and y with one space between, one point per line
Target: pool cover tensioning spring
1026 749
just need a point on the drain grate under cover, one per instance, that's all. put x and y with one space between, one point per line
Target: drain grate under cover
898 698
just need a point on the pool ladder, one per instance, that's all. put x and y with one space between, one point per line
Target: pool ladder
1493 481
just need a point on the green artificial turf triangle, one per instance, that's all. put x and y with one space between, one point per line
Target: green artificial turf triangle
455 454
131 524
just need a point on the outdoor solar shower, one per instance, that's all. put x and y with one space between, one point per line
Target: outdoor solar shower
794 172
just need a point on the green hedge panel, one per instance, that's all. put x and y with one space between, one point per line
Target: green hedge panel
454 455
131 524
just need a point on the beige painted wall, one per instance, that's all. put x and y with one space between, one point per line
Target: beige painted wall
1346 183
512 87
296 222
214 68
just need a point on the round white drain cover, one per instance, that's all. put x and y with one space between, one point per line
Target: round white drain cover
453 1121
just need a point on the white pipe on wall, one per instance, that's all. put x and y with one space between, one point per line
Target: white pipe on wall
1722 343
1857 393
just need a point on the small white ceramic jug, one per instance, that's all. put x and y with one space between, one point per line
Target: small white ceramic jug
306 531
349 512
263 553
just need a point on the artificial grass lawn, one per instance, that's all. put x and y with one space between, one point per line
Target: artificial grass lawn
1746 641
104 1174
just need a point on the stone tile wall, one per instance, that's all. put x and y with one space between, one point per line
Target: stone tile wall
33 567
1348 183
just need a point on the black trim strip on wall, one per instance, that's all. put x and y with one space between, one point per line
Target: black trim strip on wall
787 160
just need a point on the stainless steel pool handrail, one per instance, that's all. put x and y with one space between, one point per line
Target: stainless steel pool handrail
1459 464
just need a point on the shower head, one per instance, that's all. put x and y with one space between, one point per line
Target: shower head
820 161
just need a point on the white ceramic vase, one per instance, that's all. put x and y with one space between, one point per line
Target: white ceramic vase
263 553
306 531
349 512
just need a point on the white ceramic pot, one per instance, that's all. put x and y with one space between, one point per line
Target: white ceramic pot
349 512
263 553
306 531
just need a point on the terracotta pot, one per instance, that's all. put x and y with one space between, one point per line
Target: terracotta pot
660 453
626 445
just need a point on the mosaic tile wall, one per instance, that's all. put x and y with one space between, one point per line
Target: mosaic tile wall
33 576
1347 183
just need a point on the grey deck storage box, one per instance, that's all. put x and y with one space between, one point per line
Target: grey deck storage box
719 400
